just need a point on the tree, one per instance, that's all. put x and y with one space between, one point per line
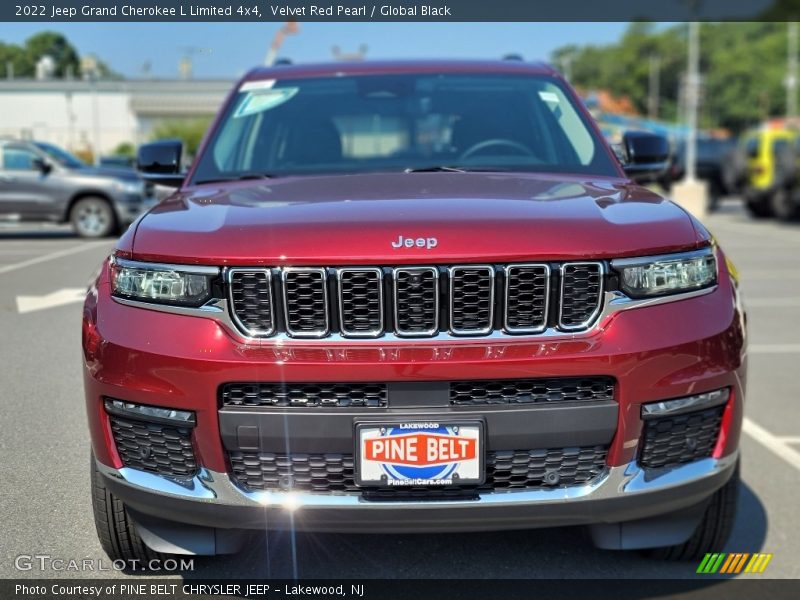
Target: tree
58 47
743 66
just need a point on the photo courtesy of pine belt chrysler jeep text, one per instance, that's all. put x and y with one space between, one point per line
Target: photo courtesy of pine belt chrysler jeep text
413 297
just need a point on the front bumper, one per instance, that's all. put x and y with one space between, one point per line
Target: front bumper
654 353
625 493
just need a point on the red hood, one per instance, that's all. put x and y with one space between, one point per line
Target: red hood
353 219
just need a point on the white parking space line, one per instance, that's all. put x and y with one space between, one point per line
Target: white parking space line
773 348
790 439
51 256
772 443
771 302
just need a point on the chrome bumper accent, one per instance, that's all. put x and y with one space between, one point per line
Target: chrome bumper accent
617 482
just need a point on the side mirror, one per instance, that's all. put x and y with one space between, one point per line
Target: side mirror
646 155
160 162
42 166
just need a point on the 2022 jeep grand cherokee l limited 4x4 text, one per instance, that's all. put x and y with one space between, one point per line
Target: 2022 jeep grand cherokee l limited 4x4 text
395 297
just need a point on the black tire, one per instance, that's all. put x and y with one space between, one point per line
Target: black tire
714 196
783 204
115 529
93 217
758 209
714 530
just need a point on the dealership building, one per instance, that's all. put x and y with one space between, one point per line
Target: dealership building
97 116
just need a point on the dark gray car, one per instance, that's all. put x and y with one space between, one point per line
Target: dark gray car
42 182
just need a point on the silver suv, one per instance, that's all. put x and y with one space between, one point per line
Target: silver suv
42 182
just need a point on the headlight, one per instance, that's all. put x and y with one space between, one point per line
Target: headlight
131 187
668 274
183 285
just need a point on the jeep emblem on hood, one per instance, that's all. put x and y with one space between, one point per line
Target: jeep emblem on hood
427 243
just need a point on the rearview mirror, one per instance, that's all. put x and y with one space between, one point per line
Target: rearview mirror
646 155
160 162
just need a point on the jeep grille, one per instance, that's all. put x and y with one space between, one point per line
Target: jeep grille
417 301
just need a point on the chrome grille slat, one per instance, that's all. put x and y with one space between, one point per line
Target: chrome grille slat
360 301
581 294
305 302
250 295
471 299
527 298
416 301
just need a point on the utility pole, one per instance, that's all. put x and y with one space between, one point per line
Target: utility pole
692 100
654 91
791 71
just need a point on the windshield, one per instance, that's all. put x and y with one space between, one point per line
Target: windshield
402 122
61 156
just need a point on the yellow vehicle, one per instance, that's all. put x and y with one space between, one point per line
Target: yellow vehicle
769 178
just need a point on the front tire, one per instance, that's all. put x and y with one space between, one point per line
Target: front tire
93 217
783 204
115 529
758 209
714 530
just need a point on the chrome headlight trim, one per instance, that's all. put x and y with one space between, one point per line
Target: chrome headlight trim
192 270
621 264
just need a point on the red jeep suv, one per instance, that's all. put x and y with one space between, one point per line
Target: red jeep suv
412 297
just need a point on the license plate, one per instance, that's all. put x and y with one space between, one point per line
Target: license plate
419 454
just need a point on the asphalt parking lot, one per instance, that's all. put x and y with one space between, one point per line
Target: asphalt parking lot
45 449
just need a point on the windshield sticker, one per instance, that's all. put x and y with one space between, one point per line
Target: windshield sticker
260 101
264 84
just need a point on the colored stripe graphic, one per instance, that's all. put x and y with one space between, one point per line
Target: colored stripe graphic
711 563
732 564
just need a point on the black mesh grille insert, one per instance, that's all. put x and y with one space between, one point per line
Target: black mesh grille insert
416 301
251 295
526 297
305 294
581 289
505 470
471 299
152 447
530 391
368 395
361 301
472 303
679 439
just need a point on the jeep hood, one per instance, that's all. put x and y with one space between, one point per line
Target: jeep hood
355 219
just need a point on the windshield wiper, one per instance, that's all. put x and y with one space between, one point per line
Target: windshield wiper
434 169
241 177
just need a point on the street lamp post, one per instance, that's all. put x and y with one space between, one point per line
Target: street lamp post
692 100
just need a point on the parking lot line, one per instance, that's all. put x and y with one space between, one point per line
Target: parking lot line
773 348
51 256
772 442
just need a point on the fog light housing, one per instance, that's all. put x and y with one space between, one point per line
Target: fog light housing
151 414
678 406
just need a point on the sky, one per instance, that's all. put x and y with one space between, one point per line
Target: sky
226 50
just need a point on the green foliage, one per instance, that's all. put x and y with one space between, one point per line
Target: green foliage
743 67
57 46
24 57
125 149
189 131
